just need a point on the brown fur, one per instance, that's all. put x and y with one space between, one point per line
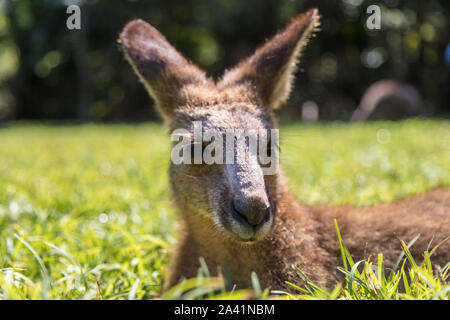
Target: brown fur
305 236
302 235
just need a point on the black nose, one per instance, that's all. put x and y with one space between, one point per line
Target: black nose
251 213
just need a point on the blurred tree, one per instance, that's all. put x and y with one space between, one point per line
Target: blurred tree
48 71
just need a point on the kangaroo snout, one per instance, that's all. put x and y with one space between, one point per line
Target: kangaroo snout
250 218
252 212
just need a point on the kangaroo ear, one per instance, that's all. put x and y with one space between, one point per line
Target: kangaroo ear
161 68
270 69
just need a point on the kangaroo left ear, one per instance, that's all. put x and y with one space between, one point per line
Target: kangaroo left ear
161 68
269 71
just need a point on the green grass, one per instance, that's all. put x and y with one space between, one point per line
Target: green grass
85 211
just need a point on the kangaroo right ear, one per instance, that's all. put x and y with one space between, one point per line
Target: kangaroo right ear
161 68
269 71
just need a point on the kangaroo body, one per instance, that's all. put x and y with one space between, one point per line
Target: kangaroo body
305 236
235 216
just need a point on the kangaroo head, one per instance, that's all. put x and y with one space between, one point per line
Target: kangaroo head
235 197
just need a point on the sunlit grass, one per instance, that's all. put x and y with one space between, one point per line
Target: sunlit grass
85 211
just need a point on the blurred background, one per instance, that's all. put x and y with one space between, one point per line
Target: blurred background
349 72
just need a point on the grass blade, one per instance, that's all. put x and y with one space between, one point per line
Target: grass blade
38 259
402 254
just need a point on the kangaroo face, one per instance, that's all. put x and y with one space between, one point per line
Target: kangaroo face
235 197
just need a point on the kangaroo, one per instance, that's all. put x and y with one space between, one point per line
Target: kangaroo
390 100
233 215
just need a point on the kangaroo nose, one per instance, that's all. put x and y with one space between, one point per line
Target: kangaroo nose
250 212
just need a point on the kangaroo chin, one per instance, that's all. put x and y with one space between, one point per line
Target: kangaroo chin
233 214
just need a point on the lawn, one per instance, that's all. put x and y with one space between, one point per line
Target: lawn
85 210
